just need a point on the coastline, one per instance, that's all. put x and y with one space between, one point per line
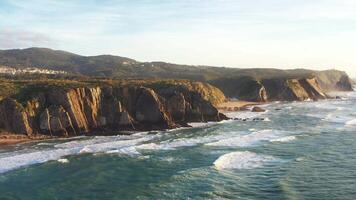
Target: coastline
8 139
236 105
11 139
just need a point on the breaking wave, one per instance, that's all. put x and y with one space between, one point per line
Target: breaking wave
111 144
241 160
250 139
284 139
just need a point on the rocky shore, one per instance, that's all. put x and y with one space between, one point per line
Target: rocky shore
63 111
65 108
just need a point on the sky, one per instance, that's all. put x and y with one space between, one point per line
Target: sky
313 34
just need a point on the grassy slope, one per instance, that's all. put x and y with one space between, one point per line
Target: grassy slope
24 90
121 67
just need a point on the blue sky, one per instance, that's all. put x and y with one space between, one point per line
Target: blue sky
317 34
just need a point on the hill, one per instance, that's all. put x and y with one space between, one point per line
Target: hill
234 82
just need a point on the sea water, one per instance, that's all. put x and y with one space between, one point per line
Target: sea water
301 150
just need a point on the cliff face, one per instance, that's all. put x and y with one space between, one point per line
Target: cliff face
273 89
293 89
334 80
244 88
74 111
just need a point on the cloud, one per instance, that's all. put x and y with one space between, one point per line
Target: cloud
22 38
240 33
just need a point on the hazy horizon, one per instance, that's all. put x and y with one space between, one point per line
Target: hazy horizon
283 34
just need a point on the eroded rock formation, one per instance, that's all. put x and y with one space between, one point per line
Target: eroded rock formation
293 89
75 111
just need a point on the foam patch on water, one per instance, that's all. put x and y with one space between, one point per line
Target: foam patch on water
205 124
249 139
245 114
131 151
351 122
185 142
171 145
17 161
110 145
241 160
63 160
284 139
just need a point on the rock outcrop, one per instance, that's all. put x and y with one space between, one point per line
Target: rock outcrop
243 88
293 89
80 110
334 80
272 89
258 109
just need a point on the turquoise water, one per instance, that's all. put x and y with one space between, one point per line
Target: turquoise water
299 151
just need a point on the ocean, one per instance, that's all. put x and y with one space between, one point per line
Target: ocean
296 150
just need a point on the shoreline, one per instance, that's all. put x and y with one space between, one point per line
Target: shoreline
8 139
236 105
11 139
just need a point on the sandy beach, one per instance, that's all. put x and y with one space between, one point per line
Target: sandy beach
10 139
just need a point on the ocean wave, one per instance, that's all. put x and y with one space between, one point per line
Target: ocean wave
241 160
102 139
131 151
17 160
250 139
245 114
63 160
183 142
201 124
284 139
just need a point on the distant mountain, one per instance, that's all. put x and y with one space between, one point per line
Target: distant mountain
121 67
232 81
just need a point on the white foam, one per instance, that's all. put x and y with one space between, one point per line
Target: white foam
96 145
248 140
266 119
241 160
185 142
351 122
171 145
245 114
300 159
131 151
63 160
115 145
44 144
201 124
17 161
284 139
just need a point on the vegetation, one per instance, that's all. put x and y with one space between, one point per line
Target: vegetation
124 68
233 82
26 89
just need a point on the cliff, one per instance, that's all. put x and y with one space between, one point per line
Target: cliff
334 80
293 89
78 108
272 89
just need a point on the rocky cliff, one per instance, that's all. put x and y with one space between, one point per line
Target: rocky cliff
273 89
69 111
293 89
334 80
